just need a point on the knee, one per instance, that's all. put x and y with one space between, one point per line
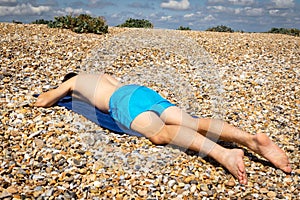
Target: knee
160 138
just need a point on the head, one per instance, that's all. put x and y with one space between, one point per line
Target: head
69 75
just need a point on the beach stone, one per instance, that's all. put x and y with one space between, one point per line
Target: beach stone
12 189
142 192
5 194
193 188
204 187
230 183
271 194
189 179
181 185
97 184
171 183
263 190
39 143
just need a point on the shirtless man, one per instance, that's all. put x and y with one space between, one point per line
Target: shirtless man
145 111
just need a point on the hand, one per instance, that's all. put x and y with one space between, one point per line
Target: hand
43 100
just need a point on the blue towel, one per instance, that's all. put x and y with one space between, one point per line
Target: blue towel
93 114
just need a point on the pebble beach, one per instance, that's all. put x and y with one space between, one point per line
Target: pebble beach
250 80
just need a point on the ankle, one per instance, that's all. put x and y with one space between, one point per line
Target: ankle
251 142
222 156
255 142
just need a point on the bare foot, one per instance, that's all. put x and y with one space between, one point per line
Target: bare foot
233 161
265 147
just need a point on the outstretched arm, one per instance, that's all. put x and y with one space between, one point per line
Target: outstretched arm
49 98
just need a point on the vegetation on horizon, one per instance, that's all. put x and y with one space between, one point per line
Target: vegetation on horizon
41 21
136 23
16 22
182 28
291 31
82 23
221 28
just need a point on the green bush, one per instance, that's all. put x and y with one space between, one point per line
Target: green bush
291 31
184 28
82 23
41 21
136 23
220 28
16 22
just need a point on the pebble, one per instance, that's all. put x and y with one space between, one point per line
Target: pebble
230 183
249 80
142 192
97 184
263 190
171 183
271 194
12 189
39 143
5 194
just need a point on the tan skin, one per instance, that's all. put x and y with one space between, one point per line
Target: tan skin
175 126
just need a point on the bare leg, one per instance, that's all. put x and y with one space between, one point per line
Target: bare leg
149 124
218 129
259 143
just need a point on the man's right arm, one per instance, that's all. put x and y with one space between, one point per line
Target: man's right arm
49 98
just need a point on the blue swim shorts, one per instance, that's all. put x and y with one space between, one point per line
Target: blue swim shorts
127 102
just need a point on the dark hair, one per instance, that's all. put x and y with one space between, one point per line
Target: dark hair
69 75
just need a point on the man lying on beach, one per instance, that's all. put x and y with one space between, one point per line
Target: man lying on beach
143 110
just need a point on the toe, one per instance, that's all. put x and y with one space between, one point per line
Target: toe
243 179
287 169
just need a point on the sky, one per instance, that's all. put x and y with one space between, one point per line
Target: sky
240 15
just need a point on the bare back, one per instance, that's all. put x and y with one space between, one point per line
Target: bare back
95 89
